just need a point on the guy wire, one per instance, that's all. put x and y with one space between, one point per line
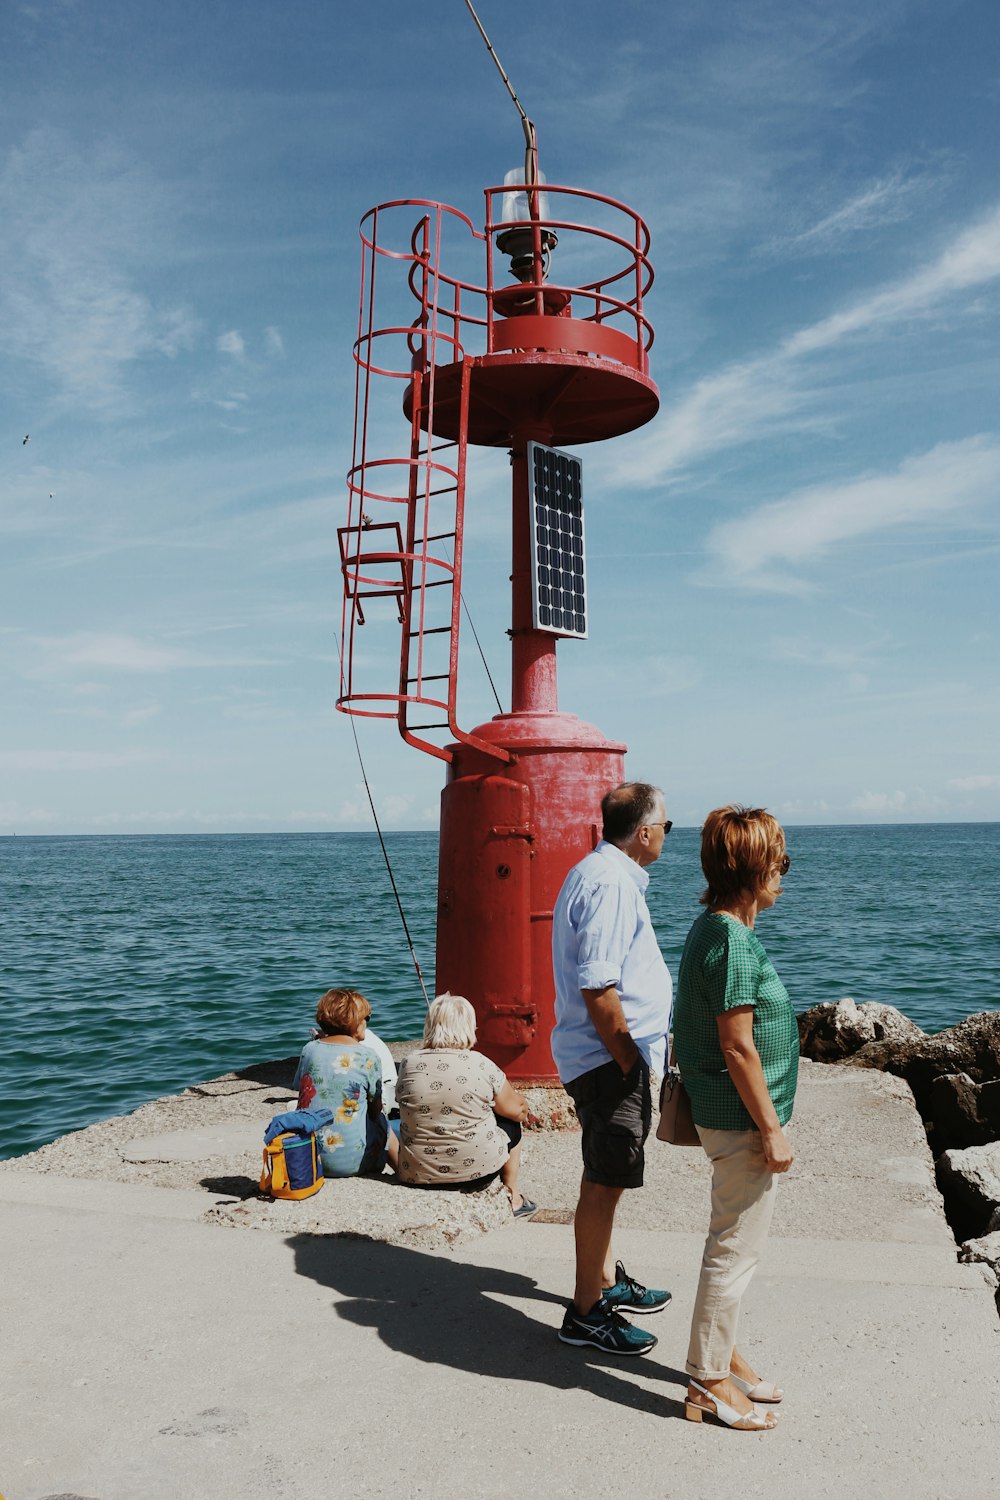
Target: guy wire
378 830
475 632
482 654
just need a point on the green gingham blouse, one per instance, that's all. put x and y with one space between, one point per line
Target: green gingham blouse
724 965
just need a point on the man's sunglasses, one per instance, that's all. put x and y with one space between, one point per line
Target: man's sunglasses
665 826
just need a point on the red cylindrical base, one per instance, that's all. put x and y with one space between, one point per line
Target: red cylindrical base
507 840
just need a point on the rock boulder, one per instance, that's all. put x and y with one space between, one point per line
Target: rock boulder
839 1028
972 1047
969 1181
964 1113
985 1252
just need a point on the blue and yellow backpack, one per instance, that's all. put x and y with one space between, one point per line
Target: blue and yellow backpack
292 1165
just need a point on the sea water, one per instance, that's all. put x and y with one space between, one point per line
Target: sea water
134 966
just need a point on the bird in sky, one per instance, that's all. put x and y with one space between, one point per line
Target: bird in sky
26 439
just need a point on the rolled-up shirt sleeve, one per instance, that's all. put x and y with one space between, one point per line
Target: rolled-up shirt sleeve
605 922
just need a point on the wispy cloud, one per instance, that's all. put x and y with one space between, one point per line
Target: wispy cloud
886 200
760 548
94 651
843 662
809 653
974 783
231 343
655 675
393 808
74 228
249 357
970 261
141 714
878 802
118 653
751 401
910 805
71 760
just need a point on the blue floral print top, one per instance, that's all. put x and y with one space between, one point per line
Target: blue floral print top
347 1078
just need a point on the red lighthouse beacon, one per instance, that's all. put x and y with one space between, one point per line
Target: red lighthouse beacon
472 334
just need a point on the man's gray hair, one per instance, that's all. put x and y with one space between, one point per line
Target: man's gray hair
627 808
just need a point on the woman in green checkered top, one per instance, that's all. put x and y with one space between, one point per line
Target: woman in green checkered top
737 1046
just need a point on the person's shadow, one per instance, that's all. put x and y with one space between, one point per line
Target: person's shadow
449 1312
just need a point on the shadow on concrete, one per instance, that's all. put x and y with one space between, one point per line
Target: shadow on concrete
280 1072
236 1186
447 1312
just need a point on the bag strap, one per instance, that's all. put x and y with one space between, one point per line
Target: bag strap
275 1174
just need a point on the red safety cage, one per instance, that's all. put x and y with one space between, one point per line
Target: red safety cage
471 361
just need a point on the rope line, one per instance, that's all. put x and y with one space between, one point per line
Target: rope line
385 852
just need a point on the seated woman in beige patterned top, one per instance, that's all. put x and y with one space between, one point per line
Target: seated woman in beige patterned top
460 1120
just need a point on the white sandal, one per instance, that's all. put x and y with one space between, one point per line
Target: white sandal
749 1421
764 1390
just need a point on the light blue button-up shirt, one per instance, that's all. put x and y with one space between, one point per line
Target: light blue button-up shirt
602 935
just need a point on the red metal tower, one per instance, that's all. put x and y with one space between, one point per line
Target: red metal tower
529 360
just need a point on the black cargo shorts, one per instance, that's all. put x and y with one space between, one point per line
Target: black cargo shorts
615 1112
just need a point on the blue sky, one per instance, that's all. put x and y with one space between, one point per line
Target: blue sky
793 570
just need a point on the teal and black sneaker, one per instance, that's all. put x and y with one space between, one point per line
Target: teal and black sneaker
631 1296
605 1329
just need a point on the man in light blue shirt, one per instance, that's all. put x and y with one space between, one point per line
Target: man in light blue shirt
612 1011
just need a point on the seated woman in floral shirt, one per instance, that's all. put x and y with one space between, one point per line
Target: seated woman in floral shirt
339 1071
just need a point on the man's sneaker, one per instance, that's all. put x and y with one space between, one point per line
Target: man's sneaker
631 1296
605 1329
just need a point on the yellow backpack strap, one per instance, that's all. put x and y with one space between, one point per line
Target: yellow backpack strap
279 1169
274 1178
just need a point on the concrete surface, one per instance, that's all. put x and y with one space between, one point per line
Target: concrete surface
151 1352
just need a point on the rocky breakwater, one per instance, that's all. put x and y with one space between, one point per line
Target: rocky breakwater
955 1079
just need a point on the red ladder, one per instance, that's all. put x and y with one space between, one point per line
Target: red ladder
414 559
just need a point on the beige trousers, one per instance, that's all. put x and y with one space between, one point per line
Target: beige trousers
742 1205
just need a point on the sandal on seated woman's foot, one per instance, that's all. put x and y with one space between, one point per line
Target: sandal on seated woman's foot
748 1421
764 1390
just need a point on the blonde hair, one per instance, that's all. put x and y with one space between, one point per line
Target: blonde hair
739 848
451 1022
341 1012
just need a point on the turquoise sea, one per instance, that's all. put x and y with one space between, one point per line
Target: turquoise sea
133 966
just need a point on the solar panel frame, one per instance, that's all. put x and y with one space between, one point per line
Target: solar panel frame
558 553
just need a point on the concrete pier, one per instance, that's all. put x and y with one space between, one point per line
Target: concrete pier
163 1337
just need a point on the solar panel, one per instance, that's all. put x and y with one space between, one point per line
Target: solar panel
558 569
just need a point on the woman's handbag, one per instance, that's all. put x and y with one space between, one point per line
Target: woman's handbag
676 1125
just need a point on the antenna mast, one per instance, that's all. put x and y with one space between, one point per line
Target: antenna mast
530 137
